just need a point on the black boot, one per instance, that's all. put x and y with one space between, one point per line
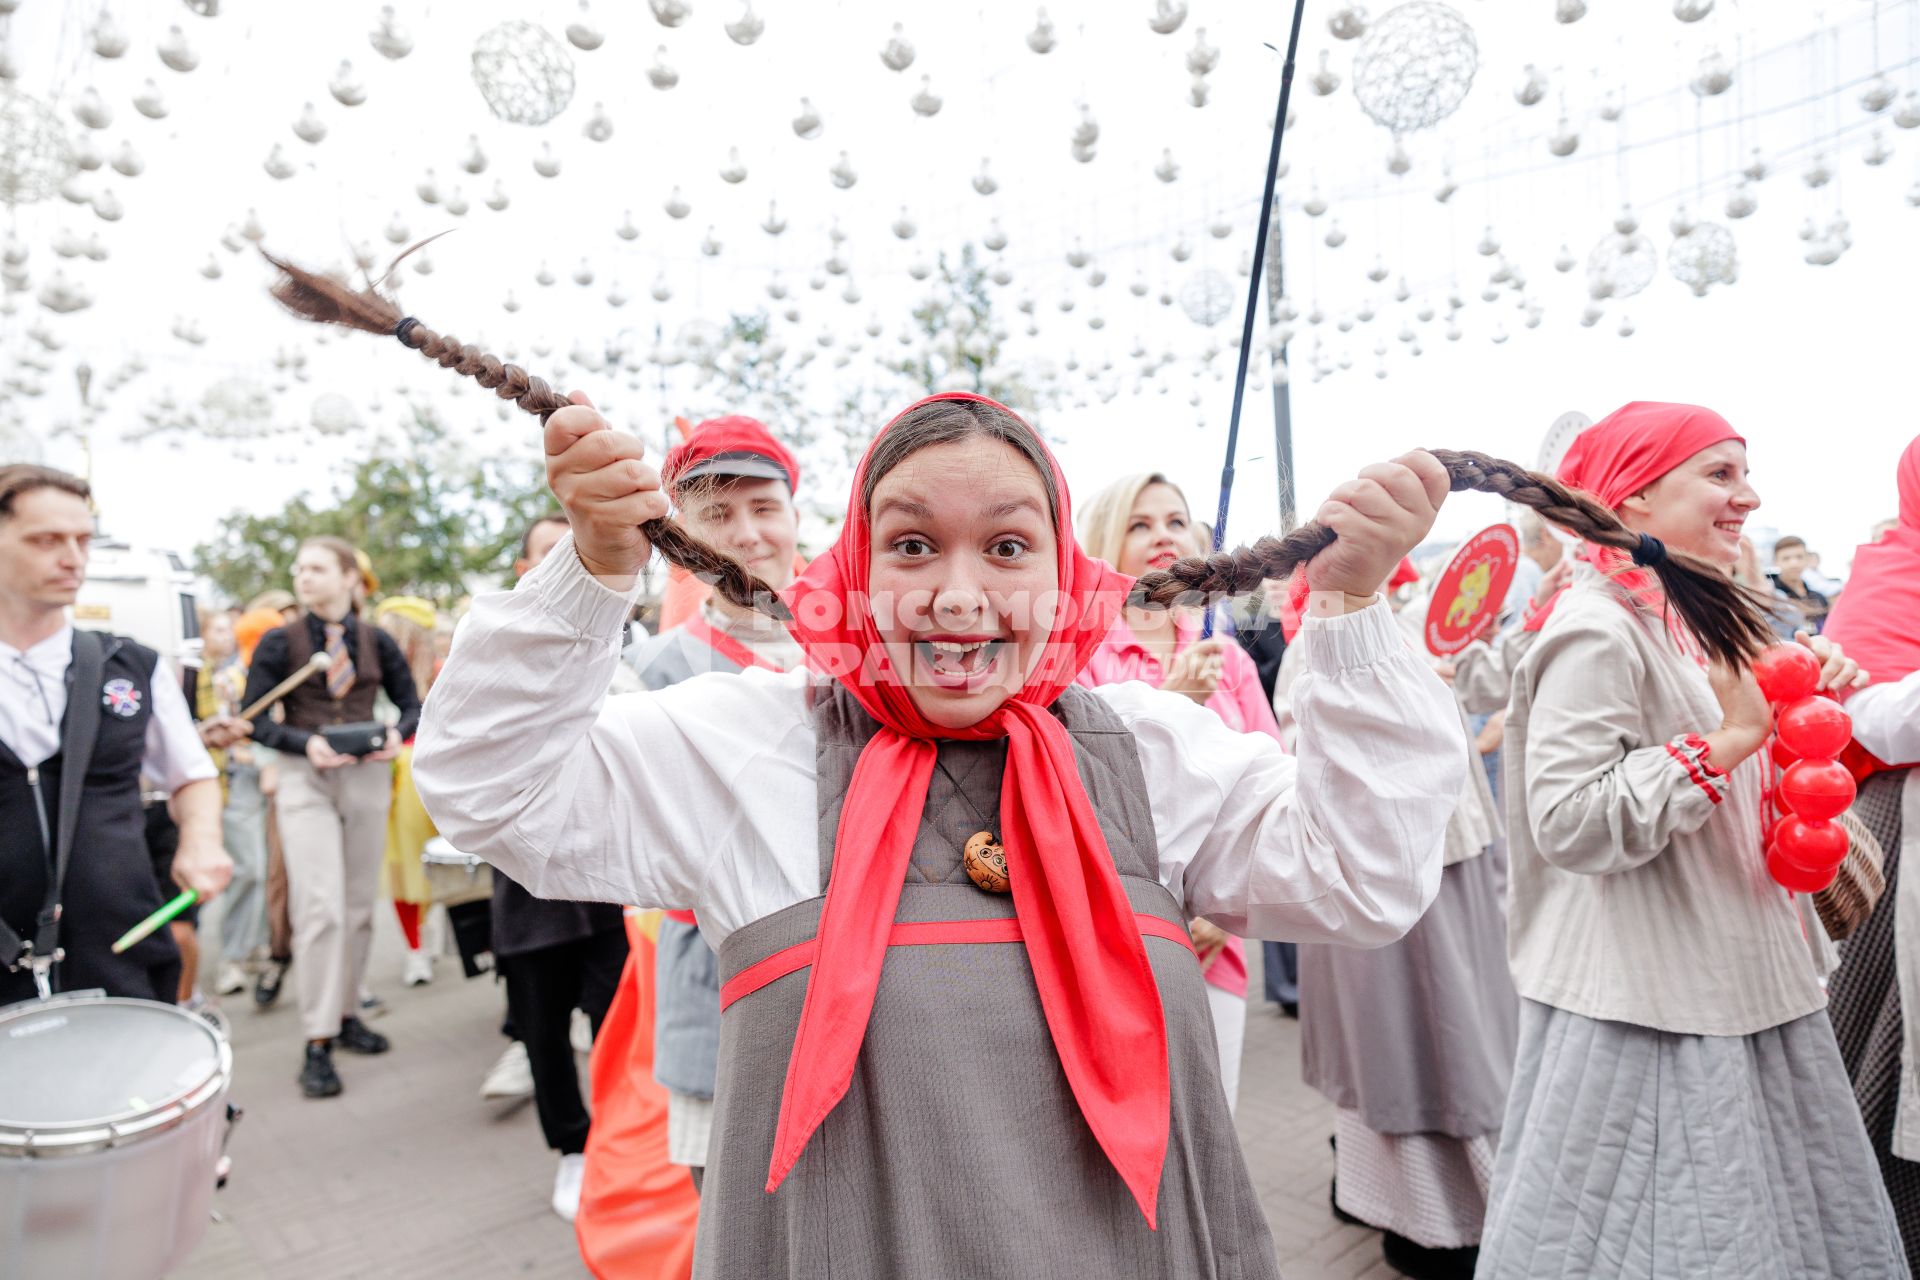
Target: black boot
318 1079
356 1037
1417 1260
266 989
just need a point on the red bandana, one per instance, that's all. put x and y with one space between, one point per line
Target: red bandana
1084 946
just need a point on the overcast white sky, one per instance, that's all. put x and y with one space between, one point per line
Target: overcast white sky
1812 363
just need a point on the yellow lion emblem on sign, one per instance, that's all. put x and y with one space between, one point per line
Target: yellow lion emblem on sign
1475 583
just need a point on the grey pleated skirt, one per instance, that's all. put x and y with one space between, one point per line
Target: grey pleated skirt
1629 1152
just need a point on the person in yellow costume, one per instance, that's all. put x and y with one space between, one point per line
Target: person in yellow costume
410 621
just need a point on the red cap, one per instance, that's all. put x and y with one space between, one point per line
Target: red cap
731 446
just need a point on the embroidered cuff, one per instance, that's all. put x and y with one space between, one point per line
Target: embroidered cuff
1691 750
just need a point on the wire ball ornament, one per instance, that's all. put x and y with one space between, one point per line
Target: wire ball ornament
1704 257
1621 265
1207 297
1415 65
35 157
525 75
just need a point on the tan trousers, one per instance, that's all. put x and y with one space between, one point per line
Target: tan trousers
333 830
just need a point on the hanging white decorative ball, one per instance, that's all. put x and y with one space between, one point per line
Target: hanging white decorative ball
670 13
389 39
1714 77
1621 266
583 273
1220 228
422 264
396 231
1913 195
1756 168
544 277
1609 109
1817 174
1878 95
919 268
1703 257
747 27
109 37
1335 237
1564 261
1415 65
457 203
86 153
1532 87
107 206
773 224
211 268
475 161
1348 22
661 74
1398 161
842 172
808 123
1199 92
1315 204
1325 81
676 205
1378 271
1203 57
347 88
582 33
1167 16
1692 10
497 199
1908 115
1742 202
1879 150
127 162
1489 244
1569 11
91 110
897 52
903 226
176 52
599 126
1626 327
1681 223
995 239
660 292
309 127
1626 222
1444 192
926 102
524 75
1181 250
277 165
1041 39
1564 141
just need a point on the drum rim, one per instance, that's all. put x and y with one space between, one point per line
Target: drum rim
83 1137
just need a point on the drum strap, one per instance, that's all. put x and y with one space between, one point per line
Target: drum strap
81 730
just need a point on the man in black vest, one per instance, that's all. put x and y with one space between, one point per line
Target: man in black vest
82 717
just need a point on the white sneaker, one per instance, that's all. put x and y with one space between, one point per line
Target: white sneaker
580 1032
232 980
418 971
566 1186
509 1076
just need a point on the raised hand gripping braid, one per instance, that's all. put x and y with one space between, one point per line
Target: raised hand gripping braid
1724 616
326 300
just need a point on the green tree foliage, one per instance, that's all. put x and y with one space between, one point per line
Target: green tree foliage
433 523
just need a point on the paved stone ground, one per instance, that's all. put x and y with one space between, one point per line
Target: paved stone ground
410 1174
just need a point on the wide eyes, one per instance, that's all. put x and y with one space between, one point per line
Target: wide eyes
1009 548
912 548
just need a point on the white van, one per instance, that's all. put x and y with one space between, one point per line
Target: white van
142 592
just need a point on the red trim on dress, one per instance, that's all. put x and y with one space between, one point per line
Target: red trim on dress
725 645
928 933
1696 763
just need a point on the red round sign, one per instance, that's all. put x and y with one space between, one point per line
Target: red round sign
1470 592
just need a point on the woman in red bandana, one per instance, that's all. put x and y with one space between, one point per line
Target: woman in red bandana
964 1031
1679 1107
1877 619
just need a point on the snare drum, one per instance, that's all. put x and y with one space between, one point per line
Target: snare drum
112 1118
455 877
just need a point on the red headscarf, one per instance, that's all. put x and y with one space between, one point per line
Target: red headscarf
1082 941
1622 454
1877 618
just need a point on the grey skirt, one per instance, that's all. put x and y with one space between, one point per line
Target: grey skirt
1629 1152
1418 1036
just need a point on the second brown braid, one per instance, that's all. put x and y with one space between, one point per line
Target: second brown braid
1725 617
325 300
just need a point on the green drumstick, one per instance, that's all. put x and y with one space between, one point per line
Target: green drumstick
184 899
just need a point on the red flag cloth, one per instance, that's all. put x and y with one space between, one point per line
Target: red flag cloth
1295 608
1877 618
1089 963
637 1209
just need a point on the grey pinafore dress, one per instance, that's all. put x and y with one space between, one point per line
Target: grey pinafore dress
958 1152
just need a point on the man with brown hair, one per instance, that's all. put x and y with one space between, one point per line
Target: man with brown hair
82 717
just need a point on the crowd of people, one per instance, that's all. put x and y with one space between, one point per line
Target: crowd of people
907 887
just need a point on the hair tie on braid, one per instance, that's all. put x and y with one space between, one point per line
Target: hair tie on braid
1724 616
325 300
1649 551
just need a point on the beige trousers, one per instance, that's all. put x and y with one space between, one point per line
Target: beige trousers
333 829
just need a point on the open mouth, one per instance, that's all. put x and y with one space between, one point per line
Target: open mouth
1730 526
1162 559
958 664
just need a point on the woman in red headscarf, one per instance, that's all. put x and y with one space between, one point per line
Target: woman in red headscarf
964 1031
1877 618
1678 1107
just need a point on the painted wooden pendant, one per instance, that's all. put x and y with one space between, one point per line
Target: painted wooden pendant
986 862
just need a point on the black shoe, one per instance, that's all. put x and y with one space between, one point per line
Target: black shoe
1422 1263
1290 1009
267 988
356 1037
318 1079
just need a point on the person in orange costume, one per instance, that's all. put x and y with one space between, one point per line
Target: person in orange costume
637 1210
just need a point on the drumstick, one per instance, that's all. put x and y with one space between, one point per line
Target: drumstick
182 900
285 687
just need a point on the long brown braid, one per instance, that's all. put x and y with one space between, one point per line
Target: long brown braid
326 300
1724 616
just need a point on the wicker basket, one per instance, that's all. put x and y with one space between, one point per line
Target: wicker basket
1855 890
